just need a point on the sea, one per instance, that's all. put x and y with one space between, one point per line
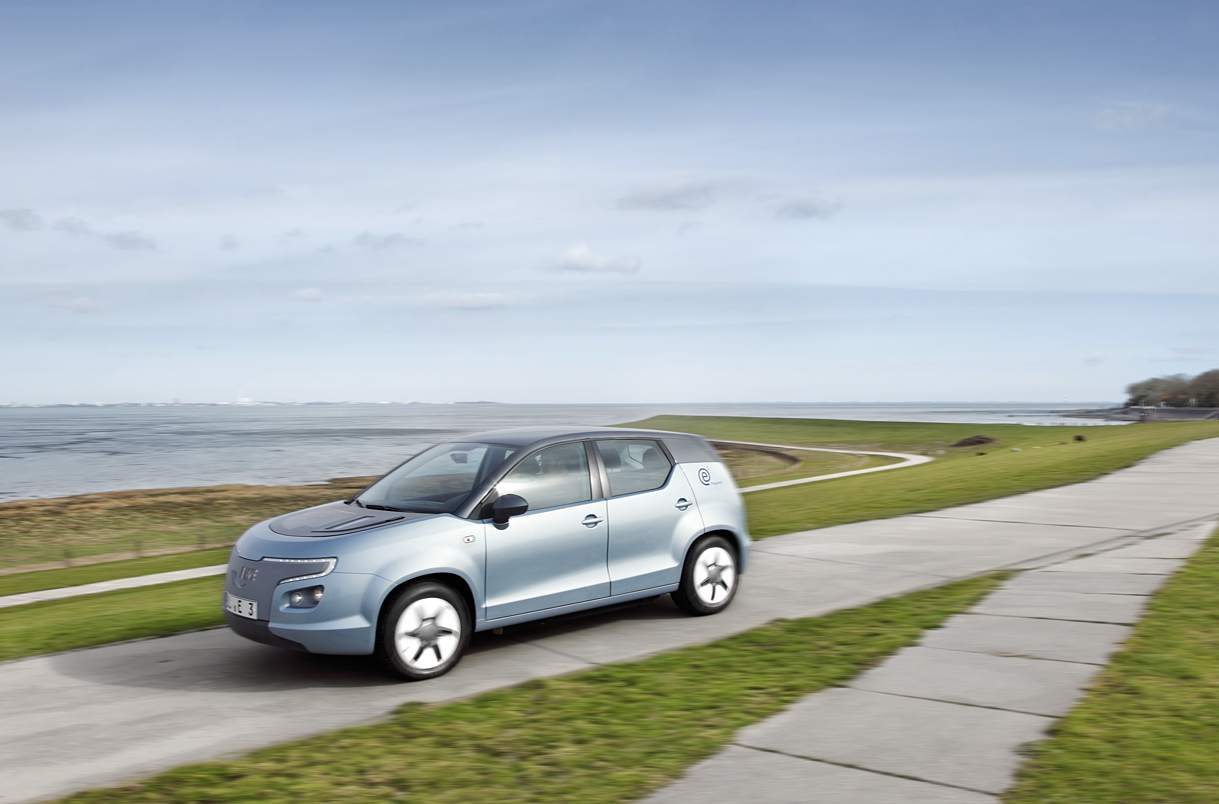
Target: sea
62 451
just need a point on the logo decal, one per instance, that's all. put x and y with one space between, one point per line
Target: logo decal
245 575
704 476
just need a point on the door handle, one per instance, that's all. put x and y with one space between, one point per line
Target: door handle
683 504
592 521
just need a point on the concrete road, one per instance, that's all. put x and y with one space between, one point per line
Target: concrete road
105 715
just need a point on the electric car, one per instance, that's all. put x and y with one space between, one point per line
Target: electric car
491 530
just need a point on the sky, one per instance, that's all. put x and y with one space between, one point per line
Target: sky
606 202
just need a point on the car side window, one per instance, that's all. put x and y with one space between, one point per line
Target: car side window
633 465
550 477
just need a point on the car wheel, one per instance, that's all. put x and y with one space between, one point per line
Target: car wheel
424 631
709 577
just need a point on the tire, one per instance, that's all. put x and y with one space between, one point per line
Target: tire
424 631
709 579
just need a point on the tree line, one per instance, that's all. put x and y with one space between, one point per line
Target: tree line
1177 391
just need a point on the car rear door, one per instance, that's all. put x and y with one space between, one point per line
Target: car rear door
652 515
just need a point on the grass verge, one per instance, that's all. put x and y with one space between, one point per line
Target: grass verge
1148 732
82 622
607 735
958 476
112 570
66 528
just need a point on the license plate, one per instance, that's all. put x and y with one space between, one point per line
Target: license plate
240 606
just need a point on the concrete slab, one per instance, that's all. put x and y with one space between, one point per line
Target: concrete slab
110 586
745 776
1106 583
1033 686
964 746
947 547
1058 640
1158 548
1092 608
1107 563
792 587
1199 532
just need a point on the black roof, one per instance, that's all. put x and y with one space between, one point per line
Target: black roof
528 436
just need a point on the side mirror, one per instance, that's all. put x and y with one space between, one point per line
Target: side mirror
508 506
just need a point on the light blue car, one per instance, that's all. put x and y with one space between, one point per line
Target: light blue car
491 530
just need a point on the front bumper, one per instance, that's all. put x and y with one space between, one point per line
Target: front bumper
343 623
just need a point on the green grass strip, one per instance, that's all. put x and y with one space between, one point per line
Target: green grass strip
1148 732
20 583
606 735
82 622
958 476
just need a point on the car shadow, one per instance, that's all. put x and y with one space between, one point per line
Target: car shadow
217 660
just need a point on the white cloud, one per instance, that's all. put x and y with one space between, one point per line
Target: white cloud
676 195
465 300
127 241
20 219
307 295
1123 119
380 241
66 300
228 243
806 206
583 259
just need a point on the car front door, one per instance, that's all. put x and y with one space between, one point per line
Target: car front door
652 515
554 554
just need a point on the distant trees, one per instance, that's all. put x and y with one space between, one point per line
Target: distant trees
1177 391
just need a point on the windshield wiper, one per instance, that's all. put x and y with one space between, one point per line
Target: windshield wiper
376 507
356 501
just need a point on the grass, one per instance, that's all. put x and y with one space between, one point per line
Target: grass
82 622
958 476
1148 732
606 735
128 522
76 576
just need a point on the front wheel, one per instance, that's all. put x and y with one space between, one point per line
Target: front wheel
709 577
424 631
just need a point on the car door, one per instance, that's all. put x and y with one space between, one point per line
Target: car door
554 554
652 515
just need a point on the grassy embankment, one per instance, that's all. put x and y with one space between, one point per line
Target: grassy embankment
755 466
606 735
121 524
1148 731
957 476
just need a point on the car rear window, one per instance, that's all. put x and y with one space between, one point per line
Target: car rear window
634 465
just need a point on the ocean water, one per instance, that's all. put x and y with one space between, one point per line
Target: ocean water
54 452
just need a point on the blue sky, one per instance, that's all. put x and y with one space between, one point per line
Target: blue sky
606 202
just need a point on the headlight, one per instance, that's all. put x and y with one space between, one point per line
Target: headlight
306 598
309 567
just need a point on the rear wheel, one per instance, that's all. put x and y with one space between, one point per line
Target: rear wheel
709 577
424 631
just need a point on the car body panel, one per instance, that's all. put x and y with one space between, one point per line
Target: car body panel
649 534
543 559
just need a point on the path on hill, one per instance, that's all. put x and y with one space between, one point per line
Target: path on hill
105 715
218 569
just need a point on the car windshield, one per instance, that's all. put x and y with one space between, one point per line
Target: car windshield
437 480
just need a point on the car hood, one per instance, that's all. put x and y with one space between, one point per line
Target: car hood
336 519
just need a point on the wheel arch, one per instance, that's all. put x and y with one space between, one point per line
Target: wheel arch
452 579
739 543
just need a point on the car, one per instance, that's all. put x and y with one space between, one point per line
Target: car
491 530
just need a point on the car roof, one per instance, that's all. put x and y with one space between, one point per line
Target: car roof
530 436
